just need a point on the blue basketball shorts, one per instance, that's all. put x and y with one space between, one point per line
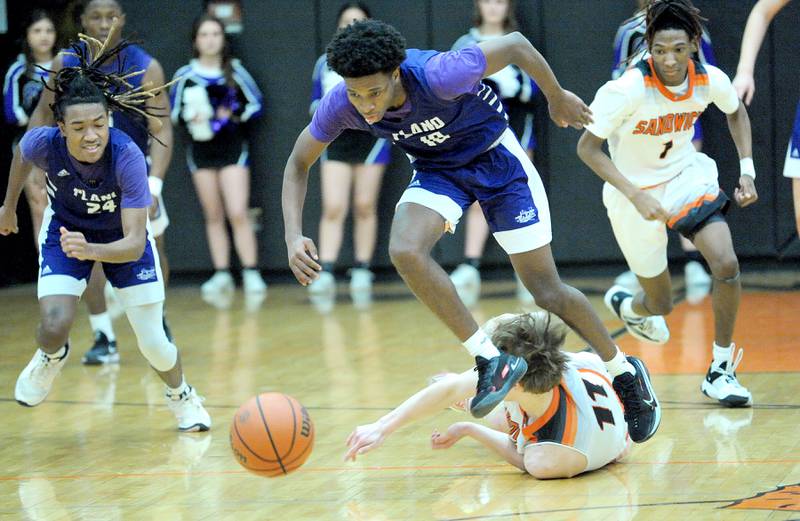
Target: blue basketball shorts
137 283
507 186
791 168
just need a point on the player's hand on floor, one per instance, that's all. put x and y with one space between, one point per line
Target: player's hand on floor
568 110
303 259
364 439
745 194
74 244
649 207
449 438
8 221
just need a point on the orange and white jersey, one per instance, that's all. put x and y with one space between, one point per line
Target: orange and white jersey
649 126
585 415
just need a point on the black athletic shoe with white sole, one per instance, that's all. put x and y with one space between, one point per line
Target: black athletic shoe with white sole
496 377
642 410
102 352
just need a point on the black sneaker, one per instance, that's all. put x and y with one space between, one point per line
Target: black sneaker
166 329
642 411
102 352
496 377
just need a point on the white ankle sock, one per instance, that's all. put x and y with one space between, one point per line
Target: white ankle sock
481 345
178 392
721 354
102 323
619 364
626 309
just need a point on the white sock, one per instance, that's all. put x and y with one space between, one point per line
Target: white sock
626 308
102 323
178 392
58 354
619 364
481 345
721 354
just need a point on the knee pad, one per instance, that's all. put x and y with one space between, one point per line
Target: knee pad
162 354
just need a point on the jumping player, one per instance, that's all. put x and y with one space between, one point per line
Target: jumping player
98 192
656 179
102 20
435 107
560 420
744 83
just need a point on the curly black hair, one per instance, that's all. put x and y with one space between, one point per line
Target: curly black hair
366 47
674 14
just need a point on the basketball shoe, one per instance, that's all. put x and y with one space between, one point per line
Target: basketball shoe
649 329
467 280
104 351
220 282
642 410
496 377
36 380
721 384
253 283
189 411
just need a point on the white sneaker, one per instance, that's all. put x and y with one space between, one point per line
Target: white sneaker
467 280
325 285
721 384
649 329
36 380
189 410
698 282
629 281
253 283
361 280
220 282
523 295
113 304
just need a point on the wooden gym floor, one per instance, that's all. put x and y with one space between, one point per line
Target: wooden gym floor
104 446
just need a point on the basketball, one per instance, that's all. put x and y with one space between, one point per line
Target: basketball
271 434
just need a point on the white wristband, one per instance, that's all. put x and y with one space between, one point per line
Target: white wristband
155 184
746 167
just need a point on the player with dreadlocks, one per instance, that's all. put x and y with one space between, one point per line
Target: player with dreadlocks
655 177
96 180
435 107
105 20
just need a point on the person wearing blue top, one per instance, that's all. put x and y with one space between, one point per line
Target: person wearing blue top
453 127
354 162
214 99
104 20
99 198
493 18
22 89
630 48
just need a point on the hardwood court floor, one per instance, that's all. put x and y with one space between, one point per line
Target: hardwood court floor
103 446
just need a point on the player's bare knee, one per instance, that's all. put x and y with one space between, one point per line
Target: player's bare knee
364 209
238 218
406 257
333 212
553 300
725 267
54 328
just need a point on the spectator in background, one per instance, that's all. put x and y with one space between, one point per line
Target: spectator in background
22 89
494 18
214 99
355 159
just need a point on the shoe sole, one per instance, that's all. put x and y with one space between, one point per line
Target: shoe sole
493 399
103 360
642 369
197 427
731 401
27 404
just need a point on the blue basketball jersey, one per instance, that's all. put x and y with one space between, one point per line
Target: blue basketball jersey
449 118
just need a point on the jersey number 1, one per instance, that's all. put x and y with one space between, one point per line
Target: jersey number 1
667 147
603 414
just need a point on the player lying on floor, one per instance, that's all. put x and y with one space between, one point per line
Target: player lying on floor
562 418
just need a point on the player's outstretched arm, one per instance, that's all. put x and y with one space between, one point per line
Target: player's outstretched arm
302 251
590 150
566 109
739 125
16 181
496 441
757 23
429 400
